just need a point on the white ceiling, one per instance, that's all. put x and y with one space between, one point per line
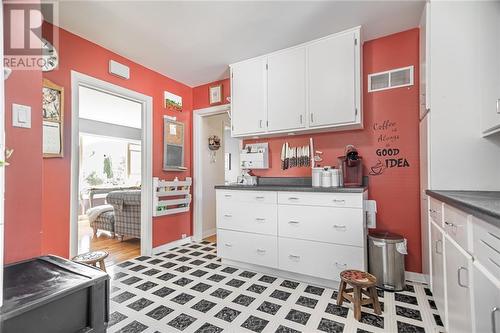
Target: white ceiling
193 42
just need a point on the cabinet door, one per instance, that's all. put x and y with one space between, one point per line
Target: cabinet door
458 284
424 204
248 97
490 65
333 80
286 83
486 302
437 269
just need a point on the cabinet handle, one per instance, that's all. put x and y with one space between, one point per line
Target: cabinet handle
494 236
293 198
449 224
436 246
228 195
260 219
259 198
294 257
293 222
339 226
459 277
260 123
498 105
340 265
338 201
300 119
491 247
494 262
312 118
228 244
493 319
228 215
261 251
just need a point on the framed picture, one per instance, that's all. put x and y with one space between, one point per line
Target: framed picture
53 119
215 94
173 102
173 145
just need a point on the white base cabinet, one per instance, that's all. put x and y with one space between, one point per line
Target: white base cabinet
465 270
310 234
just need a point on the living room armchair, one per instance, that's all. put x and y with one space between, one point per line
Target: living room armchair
127 211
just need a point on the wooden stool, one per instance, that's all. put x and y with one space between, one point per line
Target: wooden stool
362 283
92 258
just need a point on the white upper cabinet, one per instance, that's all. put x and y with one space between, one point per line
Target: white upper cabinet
333 77
490 66
312 87
249 97
286 86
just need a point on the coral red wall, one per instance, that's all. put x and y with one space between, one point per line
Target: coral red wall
83 56
396 190
201 94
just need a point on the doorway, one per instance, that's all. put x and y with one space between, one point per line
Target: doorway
111 170
212 166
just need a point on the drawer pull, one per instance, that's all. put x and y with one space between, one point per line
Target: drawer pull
338 201
493 319
260 219
494 262
491 247
339 265
293 222
261 251
293 198
339 226
449 224
493 235
228 215
228 244
228 195
432 210
259 198
459 277
294 257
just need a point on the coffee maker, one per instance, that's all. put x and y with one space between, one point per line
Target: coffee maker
351 166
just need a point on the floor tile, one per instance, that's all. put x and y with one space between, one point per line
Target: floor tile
159 312
228 314
298 316
182 321
255 324
270 308
330 326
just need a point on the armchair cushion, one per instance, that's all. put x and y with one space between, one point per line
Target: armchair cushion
127 209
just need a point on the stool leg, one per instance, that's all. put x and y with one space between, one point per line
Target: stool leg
102 265
357 303
376 304
340 296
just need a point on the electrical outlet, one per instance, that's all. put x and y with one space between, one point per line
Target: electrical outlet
183 235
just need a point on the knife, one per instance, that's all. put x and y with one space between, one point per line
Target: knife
283 157
287 156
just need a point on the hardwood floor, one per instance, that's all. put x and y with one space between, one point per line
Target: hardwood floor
212 239
118 251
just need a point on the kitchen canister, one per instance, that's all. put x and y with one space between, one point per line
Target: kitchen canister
326 178
335 174
316 176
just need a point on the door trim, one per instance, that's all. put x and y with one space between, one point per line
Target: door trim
198 143
79 79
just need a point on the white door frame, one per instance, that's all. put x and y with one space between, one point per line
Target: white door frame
198 143
79 79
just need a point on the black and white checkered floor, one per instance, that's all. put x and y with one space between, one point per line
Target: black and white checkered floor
188 290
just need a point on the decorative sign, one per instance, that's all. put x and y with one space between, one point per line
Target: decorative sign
389 156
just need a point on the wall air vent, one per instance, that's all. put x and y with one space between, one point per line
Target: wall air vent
395 78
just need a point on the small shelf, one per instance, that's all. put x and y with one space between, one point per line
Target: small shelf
180 189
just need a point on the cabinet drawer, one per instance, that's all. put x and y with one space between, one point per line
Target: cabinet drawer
486 245
436 211
351 200
243 216
318 259
231 196
245 247
325 224
456 226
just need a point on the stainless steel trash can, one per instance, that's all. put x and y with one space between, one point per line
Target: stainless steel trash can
386 260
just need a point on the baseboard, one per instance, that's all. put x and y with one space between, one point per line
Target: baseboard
168 246
416 277
209 232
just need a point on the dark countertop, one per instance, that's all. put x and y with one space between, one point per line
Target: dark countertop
484 205
292 188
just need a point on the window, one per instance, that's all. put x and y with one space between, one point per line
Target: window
134 160
395 78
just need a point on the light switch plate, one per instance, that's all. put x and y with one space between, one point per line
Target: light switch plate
21 115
